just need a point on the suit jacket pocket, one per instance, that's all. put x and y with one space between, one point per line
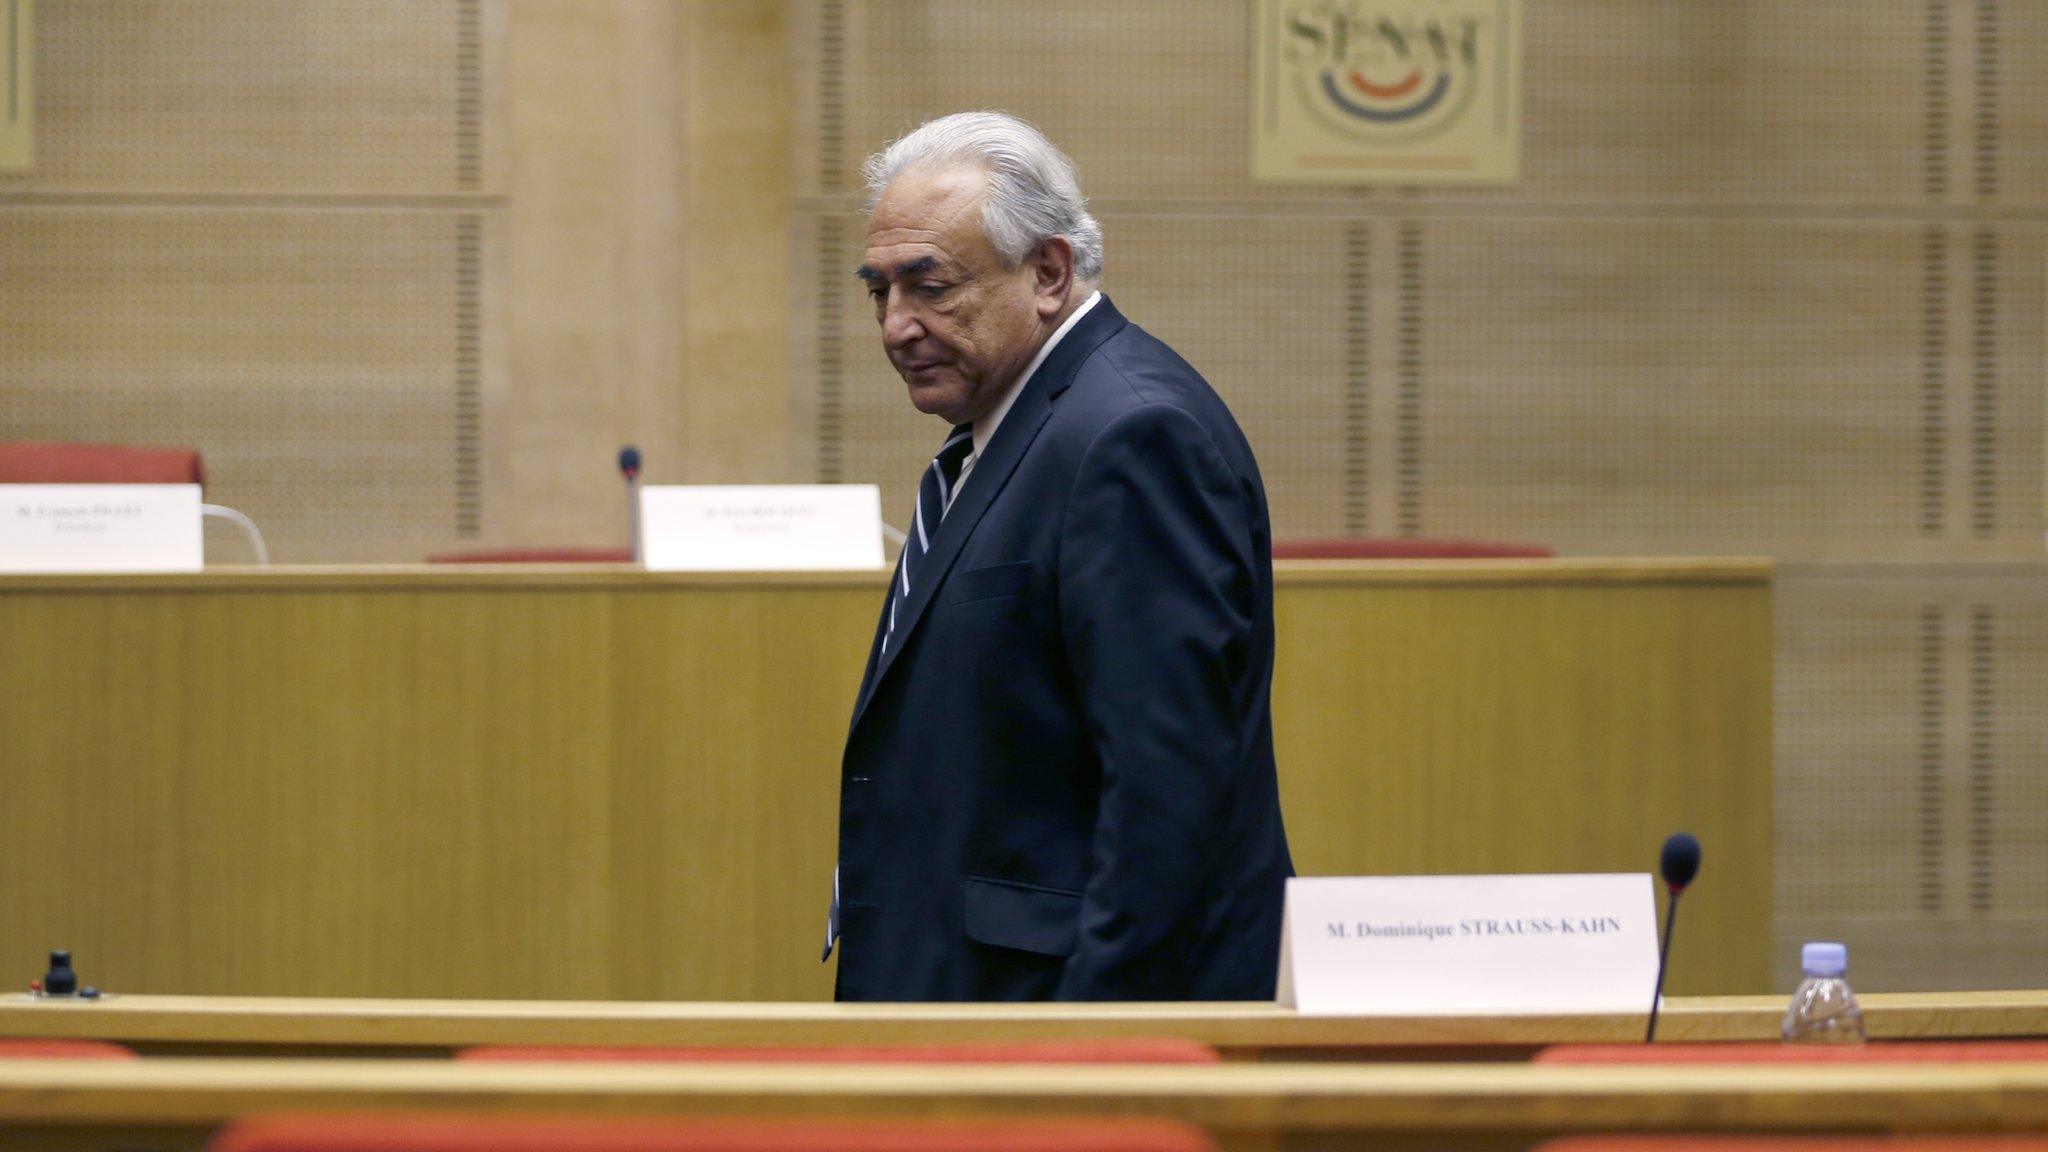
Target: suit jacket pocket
986 583
1022 916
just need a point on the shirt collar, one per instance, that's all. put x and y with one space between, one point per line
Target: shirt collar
985 428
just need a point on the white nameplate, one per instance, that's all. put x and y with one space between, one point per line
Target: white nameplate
1468 945
783 527
100 528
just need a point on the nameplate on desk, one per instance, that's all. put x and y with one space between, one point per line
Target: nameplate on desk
100 528
1468 945
783 527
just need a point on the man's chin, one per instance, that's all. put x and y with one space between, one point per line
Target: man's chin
942 400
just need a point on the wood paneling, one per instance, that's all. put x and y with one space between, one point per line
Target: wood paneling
1914 699
621 173
223 1025
649 269
324 362
1655 716
623 784
1626 103
368 97
270 233
738 125
1244 1106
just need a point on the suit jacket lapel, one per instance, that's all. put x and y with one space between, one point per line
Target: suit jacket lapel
991 472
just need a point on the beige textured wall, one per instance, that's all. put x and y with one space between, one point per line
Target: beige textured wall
648 256
407 273
272 232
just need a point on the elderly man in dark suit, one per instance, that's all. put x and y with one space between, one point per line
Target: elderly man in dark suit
1059 779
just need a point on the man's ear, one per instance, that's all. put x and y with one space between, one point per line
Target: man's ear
1052 274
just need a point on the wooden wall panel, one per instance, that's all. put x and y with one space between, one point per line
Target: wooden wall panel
1703 385
619 784
344 97
648 270
1649 722
1626 102
269 232
325 362
1912 724
593 310
620 169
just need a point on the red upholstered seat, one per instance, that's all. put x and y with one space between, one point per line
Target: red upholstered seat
1876 1052
1406 548
1717 1142
1161 1051
501 1133
36 462
536 556
36 1049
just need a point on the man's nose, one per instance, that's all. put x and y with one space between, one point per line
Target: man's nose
900 326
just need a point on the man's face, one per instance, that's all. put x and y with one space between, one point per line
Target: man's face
957 325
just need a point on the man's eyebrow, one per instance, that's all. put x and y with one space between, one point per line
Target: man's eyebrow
917 267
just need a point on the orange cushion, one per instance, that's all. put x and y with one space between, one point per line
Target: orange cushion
37 1049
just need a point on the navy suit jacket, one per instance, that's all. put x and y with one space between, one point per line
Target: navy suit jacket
1059 782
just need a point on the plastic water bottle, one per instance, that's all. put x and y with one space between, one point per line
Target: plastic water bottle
1824 1010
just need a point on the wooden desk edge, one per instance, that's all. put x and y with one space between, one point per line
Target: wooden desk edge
1575 570
1223 1097
1233 1027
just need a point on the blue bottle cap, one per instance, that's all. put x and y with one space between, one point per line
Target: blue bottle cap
1824 960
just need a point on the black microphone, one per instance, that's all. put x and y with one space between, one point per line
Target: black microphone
629 467
1678 864
60 980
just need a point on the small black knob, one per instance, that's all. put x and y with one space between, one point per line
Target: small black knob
60 980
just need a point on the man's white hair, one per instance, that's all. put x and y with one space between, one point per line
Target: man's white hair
1032 193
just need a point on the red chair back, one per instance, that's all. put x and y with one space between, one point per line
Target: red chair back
1876 1052
31 462
499 1133
1160 1051
36 1049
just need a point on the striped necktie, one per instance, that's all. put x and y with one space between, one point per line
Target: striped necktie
934 496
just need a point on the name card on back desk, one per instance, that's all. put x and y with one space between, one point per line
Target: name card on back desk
1468 945
761 527
100 528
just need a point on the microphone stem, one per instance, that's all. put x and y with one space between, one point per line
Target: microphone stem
1663 958
633 519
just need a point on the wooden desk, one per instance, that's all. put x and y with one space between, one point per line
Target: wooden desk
217 1025
613 784
174 1103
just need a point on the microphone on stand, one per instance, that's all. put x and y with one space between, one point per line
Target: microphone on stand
629 467
1678 864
